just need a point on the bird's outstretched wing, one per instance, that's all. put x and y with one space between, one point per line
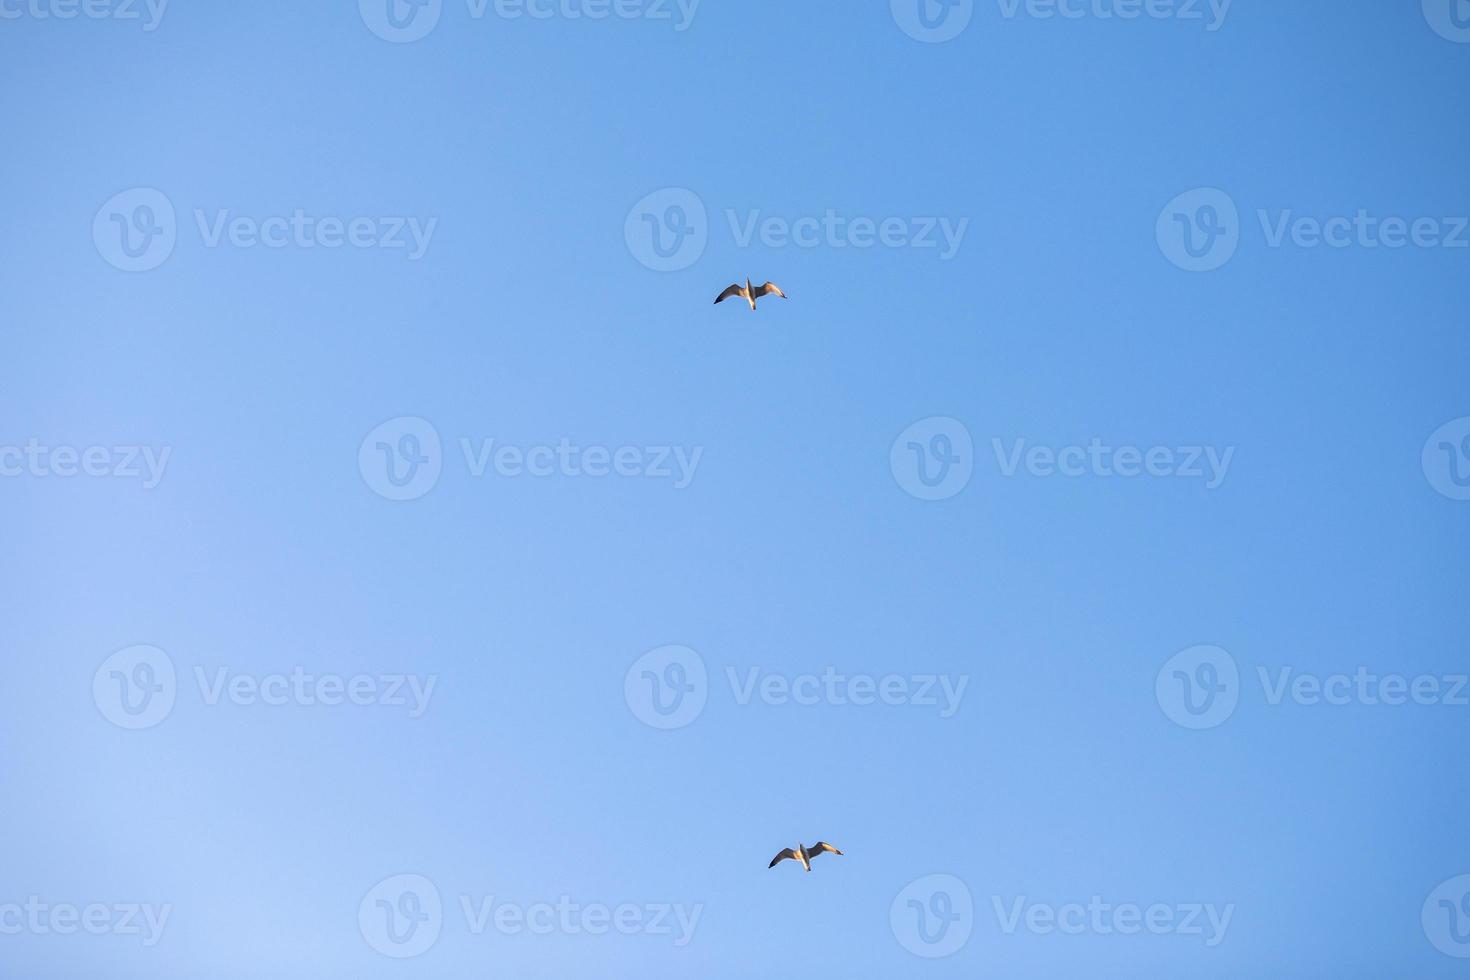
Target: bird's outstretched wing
788 853
734 289
769 288
819 847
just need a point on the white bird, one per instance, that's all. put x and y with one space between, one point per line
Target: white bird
803 854
750 293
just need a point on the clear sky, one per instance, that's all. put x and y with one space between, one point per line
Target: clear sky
353 349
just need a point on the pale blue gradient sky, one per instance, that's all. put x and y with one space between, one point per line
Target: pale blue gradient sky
529 321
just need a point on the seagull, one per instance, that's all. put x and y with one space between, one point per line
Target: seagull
803 854
749 292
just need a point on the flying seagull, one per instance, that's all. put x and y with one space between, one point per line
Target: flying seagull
803 854
750 293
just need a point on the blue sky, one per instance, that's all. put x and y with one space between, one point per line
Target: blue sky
407 558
